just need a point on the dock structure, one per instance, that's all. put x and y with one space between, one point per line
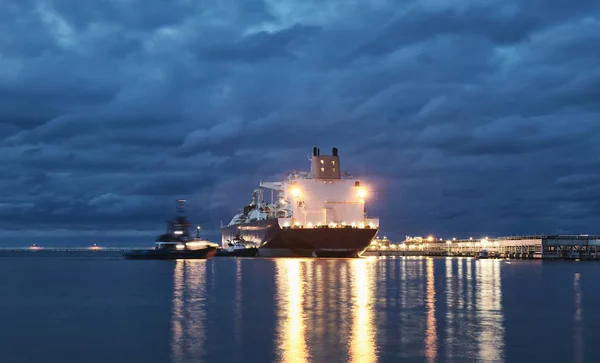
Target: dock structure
547 247
66 249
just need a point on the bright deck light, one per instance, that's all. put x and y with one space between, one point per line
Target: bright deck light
362 193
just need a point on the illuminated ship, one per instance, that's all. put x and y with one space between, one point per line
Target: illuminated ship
311 214
178 242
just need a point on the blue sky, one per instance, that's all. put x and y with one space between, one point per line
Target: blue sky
465 118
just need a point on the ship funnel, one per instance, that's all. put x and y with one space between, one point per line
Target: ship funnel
326 166
314 151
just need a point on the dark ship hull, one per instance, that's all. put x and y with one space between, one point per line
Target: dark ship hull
244 252
167 254
275 241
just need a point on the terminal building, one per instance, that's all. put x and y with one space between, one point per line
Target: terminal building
529 247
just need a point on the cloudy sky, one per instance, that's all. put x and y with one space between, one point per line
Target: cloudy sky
465 118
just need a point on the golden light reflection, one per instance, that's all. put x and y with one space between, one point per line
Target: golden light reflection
461 277
577 319
292 330
238 301
362 339
188 312
177 311
489 308
343 315
469 282
319 292
404 289
450 309
431 332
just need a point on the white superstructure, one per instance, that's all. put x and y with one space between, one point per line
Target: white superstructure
312 199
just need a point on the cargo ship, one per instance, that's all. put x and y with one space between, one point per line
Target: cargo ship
316 213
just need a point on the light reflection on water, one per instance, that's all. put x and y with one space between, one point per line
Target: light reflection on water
362 340
189 312
577 320
264 310
239 296
450 306
290 289
355 310
431 342
489 310
351 305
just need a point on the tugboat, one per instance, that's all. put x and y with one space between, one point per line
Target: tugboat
176 243
238 247
483 254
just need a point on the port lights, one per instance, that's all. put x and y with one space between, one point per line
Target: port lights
295 192
362 193
180 247
362 225
310 225
332 225
430 239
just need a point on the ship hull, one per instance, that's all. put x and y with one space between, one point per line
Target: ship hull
153 254
244 252
275 241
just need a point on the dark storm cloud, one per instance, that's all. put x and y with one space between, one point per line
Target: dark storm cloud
261 46
467 118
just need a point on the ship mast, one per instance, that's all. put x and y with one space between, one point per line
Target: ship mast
181 206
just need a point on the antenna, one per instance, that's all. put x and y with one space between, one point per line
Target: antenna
181 205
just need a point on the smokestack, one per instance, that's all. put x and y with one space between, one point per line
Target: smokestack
314 151
335 151
318 152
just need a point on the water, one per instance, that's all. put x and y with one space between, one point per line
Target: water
97 307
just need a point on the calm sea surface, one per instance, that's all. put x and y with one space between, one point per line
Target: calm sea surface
97 307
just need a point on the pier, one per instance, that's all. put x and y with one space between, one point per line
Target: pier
545 247
35 248
542 247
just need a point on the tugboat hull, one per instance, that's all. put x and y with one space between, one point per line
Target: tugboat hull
154 254
243 252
